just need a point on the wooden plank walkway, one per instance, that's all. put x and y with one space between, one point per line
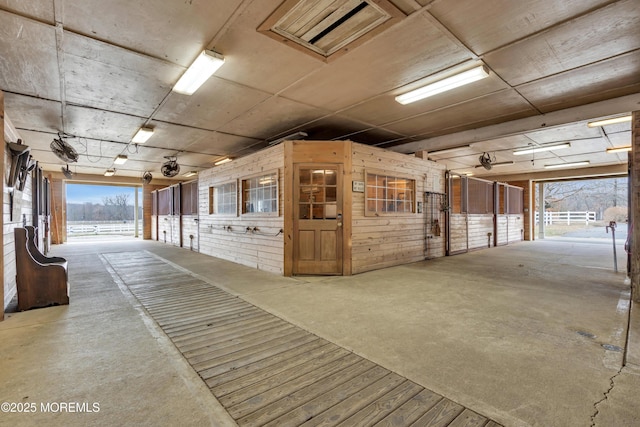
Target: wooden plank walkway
268 372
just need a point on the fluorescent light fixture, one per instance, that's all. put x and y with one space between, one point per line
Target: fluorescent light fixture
619 149
611 121
223 161
498 164
566 165
540 148
142 135
120 159
190 174
449 150
444 85
198 72
110 172
292 137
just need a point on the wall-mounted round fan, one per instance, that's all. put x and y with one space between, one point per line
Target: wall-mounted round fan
67 172
486 160
170 168
64 150
147 177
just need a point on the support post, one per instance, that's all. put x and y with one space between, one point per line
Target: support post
135 213
635 206
2 216
541 213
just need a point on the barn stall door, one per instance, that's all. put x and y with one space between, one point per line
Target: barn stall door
502 215
317 225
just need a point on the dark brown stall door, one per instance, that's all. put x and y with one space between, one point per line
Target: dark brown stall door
317 246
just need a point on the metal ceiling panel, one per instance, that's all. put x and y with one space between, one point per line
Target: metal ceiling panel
272 117
571 132
220 144
28 59
100 124
375 136
243 48
607 79
620 139
380 66
384 109
607 32
216 103
173 30
487 25
493 108
33 113
406 6
110 78
42 10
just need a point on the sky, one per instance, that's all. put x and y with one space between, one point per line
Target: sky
83 193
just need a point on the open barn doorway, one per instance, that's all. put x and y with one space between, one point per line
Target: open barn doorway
586 211
102 212
582 209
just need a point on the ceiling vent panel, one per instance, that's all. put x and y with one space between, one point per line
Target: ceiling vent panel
329 28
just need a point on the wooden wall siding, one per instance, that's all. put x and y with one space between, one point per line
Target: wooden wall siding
469 232
516 228
263 249
385 241
148 220
190 232
458 233
2 174
154 228
165 228
502 230
176 230
510 229
480 226
634 157
8 225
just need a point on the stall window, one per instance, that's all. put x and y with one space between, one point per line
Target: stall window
388 194
223 199
260 194
480 196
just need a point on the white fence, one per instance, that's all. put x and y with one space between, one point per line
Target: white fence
79 228
567 217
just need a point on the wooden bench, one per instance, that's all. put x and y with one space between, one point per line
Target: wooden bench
32 246
41 281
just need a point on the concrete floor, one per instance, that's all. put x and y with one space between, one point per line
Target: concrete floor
514 333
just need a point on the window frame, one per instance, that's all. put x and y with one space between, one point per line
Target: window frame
212 199
241 189
413 186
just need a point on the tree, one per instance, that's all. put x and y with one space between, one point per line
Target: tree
116 207
586 195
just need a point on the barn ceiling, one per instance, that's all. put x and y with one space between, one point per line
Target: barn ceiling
101 69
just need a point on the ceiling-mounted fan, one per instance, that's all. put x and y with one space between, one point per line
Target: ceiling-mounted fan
147 177
486 160
63 150
67 172
170 168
